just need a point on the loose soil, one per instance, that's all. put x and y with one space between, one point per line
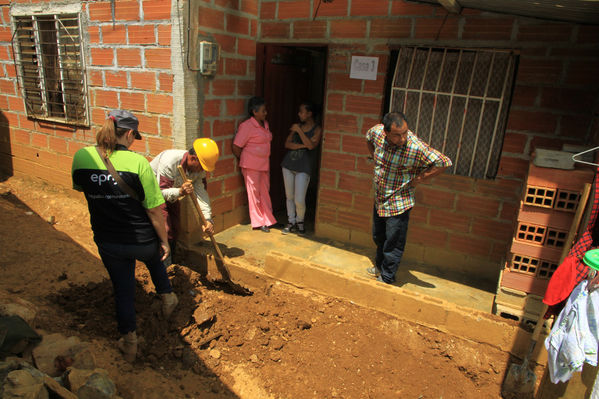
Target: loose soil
281 342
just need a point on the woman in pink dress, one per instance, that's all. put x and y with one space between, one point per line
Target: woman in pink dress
252 147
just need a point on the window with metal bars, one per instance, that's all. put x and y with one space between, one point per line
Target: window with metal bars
50 67
457 101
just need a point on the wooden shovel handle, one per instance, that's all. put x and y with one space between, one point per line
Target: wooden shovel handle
194 199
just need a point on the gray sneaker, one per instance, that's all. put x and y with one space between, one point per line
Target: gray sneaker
373 271
290 228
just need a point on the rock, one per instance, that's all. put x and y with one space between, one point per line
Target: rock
250 334
215 353
275 356
303 325
254 358
203 316
276 342
13 306
57 390
52 346
97 386
21 384
76 378
85 360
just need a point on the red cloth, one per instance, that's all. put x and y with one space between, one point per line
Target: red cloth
572 271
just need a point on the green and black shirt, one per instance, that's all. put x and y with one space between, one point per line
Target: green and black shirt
114 215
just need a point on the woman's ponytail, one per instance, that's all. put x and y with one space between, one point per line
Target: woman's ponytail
106 137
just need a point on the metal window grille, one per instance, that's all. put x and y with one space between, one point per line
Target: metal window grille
50 68
456 100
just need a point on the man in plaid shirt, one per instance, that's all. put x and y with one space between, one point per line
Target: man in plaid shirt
401 162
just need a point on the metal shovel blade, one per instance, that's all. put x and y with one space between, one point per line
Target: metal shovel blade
519 382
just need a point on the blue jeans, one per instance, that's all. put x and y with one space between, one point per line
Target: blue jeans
389 235
119 260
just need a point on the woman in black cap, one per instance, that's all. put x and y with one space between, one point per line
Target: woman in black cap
124 205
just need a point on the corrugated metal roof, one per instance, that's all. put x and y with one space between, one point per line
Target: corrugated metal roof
578 11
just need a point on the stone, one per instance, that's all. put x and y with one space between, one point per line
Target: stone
276 343
254 358
76 378
53 346
57 390
97 386
21 384
85 360
203 316
14 306
215 353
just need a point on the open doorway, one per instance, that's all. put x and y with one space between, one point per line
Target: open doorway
286 76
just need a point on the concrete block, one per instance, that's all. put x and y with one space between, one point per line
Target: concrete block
282 267
481 327
333 232
323 279
422 310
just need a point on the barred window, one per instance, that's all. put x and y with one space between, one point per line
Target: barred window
456 100
50 68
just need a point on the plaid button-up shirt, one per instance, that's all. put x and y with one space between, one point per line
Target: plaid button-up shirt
396 166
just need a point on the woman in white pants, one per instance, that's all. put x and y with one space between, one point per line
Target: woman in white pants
297 164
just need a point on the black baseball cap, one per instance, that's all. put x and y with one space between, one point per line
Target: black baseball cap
125 120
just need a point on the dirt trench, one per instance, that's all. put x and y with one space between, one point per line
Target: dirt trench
280 342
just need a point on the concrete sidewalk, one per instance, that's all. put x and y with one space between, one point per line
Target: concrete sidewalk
249 246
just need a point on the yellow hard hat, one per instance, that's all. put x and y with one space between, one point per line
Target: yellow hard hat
207 152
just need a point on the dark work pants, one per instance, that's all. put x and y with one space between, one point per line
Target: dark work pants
389 235
119 260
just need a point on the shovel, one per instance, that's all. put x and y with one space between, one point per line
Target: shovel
220 263
520 380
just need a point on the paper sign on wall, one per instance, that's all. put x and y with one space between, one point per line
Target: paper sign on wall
364 67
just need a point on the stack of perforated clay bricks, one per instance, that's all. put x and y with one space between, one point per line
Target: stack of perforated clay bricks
545 217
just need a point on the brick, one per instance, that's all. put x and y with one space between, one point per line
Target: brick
222 87
587 34
328 178
496 230
390 29
448 220
226 42
514 142
133 101
166 126
268 10
245 87
573 180
102 56
334 197
483 206
166 81
128 57
544 32
423 235
212 108
309 29
547 253
338 62
508 212
354 220
7 87
116 79
126 10
407 8
160 103
583 73
148 124
57 145
94 34
501 188
539 71
235 66
377 87
434 198
342 82
363 203
336 161
275 30
246 47
237 24
211 18
294 9
488 28
354 145
142 34
114 35
364 165
16 104
469 245
341 123
235 106
573 100
158 144
356 184
156 9
105 98
525 96
326 215
158 58
164 35
233 183
533 121
337 8
99 11
363 105
224 128
369 8
348 29
436 28
143 80
222 205
453 182
96 77
574 127
335 102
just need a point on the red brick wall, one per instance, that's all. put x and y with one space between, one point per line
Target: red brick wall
128 67
458 222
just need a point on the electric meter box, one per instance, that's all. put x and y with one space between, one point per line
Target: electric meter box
209 55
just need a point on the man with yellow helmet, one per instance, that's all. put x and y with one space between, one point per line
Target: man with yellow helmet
196 161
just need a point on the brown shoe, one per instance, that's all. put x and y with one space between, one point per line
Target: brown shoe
128 346
169 303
